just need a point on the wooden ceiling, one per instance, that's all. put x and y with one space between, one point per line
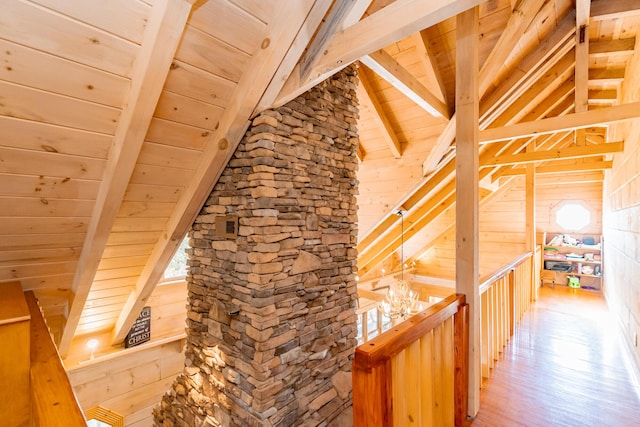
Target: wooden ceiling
116 119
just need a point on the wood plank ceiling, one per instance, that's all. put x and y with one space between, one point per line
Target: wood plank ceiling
116 119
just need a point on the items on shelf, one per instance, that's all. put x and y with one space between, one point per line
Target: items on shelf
574 260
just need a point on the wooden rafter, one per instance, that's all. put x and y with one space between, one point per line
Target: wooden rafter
606 48
571 121
614 9
582 55
547 53
397 76
331 23
394 22
520 19
584 167
290 60
606 75
430 63
161 38
537 92
561 154
369 100
282 31
515 29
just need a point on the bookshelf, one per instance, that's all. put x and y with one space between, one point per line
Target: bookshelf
575 259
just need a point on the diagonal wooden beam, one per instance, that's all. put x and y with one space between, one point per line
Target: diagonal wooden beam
331 23
291 59
428 58
161 37
574 121
561 154
520 19
537 92
536 64
390 24
356 13
384 65
516 27
369 100
614 9
282 32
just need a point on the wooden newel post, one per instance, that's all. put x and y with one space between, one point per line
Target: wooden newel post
461 374
372 394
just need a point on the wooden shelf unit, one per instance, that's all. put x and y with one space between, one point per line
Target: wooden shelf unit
574 255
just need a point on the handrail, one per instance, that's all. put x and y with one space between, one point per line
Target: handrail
53 401
374 363
505 295
502 271
383 347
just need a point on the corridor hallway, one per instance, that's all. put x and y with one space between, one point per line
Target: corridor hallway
566 365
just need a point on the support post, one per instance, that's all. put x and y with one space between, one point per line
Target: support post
467 189
530 207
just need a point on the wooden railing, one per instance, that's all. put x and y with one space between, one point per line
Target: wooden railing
53 402
416 373
504 297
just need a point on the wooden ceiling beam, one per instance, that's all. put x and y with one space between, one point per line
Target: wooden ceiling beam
559 96
538 92
569 178
582 55
369 100
568 122
281 34
606 48
564 168
516 27
598 76
520 19
536 64
384 65
392 23
428 59
282 74
614 9
160 40
561 154
356 13
331 24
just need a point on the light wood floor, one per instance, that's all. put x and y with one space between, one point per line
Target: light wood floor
565 366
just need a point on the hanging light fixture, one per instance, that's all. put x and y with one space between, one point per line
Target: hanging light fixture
400 301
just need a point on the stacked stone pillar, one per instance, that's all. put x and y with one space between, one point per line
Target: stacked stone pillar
271 316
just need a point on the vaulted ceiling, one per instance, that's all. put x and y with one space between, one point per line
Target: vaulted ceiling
117 118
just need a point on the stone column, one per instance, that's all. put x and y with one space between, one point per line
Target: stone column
272 292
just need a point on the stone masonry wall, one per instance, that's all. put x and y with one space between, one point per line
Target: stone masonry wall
271 316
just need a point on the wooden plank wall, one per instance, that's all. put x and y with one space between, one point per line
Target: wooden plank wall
130 383
621 222
550 197
168 314
502 234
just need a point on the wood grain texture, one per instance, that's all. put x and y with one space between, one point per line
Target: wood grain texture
565 366
53 401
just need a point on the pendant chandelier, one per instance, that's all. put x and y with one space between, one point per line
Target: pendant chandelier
400 301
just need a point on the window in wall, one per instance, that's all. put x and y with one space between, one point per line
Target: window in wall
572 216
102 417
177 268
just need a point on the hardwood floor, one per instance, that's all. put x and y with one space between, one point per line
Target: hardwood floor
565 366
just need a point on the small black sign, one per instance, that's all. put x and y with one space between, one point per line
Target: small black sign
140 332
